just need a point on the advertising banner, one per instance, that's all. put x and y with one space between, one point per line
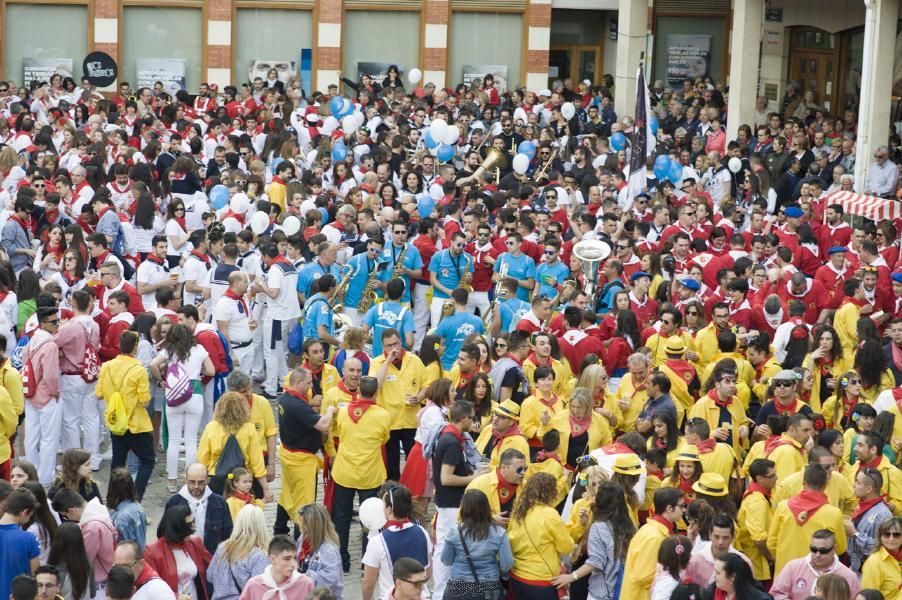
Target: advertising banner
41 69
688 57
285 70
170 71
477 72
378 70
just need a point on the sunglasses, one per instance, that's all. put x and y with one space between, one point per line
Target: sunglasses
520 470
783 384
179 210
727 380
689 214
508 244
892 534
822 551
417 583
692 313
401 232
550 252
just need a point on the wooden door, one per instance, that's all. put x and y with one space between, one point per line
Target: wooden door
816 71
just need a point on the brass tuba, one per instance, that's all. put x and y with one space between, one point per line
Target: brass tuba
494 159
591 253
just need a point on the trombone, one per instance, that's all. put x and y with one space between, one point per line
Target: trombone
542 173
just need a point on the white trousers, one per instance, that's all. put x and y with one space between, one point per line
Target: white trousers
258 367
478 300
207 415
183 424
275 353
79 416
445 520
42 439
355 317
245 357
420 314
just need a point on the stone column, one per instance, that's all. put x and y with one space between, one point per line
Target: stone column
632 31
106 34
328 52
435 60
745 48
218 50
538 20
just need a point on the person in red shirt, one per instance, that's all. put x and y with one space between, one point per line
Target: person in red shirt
645 307
876 296
631 263
576 343
835 232
833 275
740 307
120 319
686 223
789 233
484 256
807 291
111 278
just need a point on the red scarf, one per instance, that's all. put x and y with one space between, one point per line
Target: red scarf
155 259
26 224
305 551
499 437
754 487
277 179
400 361
514 358
453 430
147 573
776 441
706 446
897 554
544 455
804 505
181 222
874 463
506 491
538 361
395 523
717 401
719 594
279 259
70 280
549 402
358 407
241 301
344 389
317 373
787 410
245 497
296 395
51 215
686 486
201 257
864 506
897 394
233 215
668 524
580 426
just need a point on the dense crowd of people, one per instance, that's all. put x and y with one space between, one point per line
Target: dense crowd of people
526 371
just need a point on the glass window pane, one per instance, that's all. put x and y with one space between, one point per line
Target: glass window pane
62 34
486 39
154 32
275 37
390 37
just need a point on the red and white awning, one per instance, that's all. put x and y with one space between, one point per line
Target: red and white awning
869 207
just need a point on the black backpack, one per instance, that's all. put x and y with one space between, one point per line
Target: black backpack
231 458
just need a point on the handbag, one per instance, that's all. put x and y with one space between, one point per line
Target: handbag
486 594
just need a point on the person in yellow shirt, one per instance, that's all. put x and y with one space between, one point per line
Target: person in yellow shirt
796 519
11 380
716 457
684 379
826 363
402 384
501 484
548 460
706 339
581 429
839 491
666 437
9 422
340 396
277 190
727 344
868 452
502 434
755 514
578 520
881 570
325 376
261 416
642 556
538 410
632 393
765 364
564 380
720 401
124 374
670 334
788 451
363 428
538 540
845 320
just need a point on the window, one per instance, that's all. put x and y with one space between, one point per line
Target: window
489 39
159 41
37 36
274 37
389 37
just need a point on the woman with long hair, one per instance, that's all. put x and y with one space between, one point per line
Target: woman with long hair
176 232
581 428
595 379
232 417
27 290
826 363
417 473
240 557
22 471
75 474
499 346
50 261
178 555
626 341
686 471
589 476
430 354
126 513
733 580
476 548
147 224
666 435
673 558
873 369
43 523
479 393
318 549
838 407
75 239
831 586
607 328
181 353
796 348
68 555
694 311
72 276
538 539
881 569
832 440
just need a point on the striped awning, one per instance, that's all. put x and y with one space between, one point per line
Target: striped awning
869 207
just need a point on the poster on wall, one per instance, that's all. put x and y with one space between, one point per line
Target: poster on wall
378 70
41 69
688 57
169 71
477 72
285 70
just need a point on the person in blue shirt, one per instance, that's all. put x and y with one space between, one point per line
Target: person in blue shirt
519 267
509 310
360 267
19 550
455 328
323 264
390 314
552 272
413 262
318 312
446 271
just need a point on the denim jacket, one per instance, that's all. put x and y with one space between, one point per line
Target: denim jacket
130 522
492 557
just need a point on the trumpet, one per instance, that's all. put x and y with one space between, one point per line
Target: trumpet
342 287
500 294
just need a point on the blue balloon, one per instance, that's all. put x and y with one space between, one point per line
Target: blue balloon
653 123
676 171
663 161
662 171
219 196
618 141
339 153
335 105
347 112
425 205
528 148
445 153
427 139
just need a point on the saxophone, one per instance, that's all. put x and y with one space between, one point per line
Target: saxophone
368 296
398 270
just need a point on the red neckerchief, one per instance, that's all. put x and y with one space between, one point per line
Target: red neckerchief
776 441
754 487
871 464
805 504
660 443
499 437
344 388
102 212
395 523
537 361
26 225
70 280
787 410
305 551
51 215
544 455
147 573
864 506
240 299
291 392
580 426
358 407
549 402
155 259
717 401
897 554
400 361
233 215
719 594
706 446
98 261
245 497
514 358
279 259
55 249
201 257
455 431
181 222
338 225
897 395
685 486
849 403
317 373
506 491
664 522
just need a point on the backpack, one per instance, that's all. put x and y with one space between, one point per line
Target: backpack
227 350
29 383
296 338
15 357
117 415
230 459
177 385
90 370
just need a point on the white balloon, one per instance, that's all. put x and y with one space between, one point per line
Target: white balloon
438 129
452 136
345 105
435 192
496 128
568 110
349 124
520 163
360 118
259 222
734 164
240 203
329 125
414 76
291 225
374 123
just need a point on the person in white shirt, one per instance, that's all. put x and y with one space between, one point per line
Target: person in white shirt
153 273
883 174
232 317
195 270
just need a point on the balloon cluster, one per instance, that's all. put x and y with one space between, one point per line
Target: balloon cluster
668 169
340 107
441 138
526 151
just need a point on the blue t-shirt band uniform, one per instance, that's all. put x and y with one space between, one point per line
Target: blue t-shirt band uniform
449 270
